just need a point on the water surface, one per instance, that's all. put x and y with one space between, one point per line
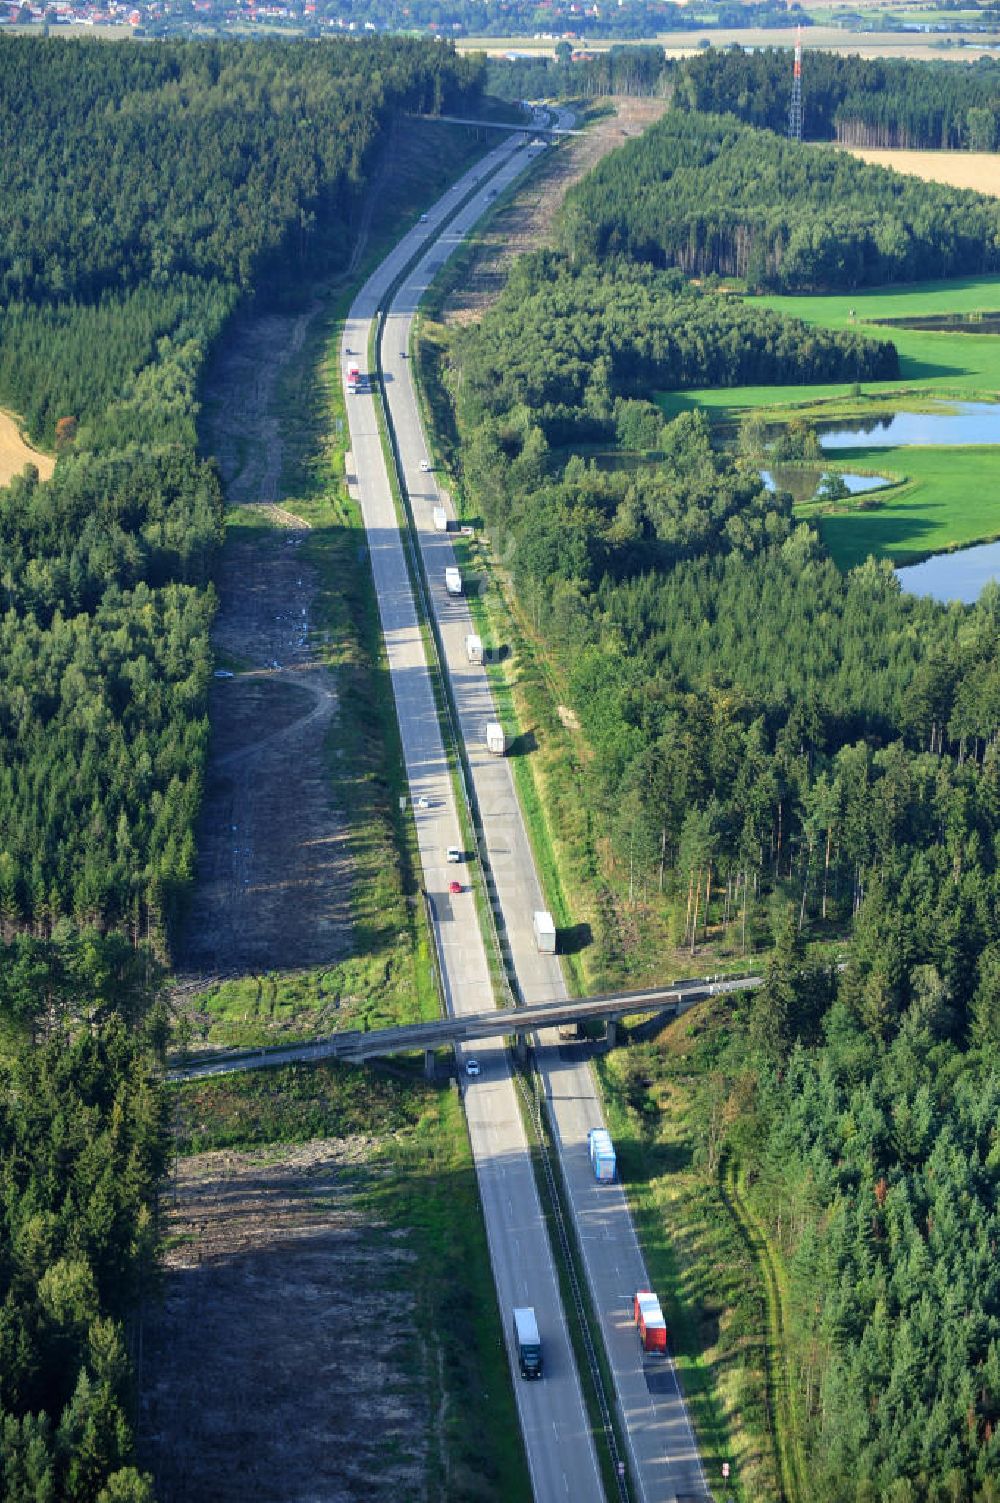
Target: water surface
953 576
967 423
803 481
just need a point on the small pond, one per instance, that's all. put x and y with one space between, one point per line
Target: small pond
946 323
953 576
803 481
967 423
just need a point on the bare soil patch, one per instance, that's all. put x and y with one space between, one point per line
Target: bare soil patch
959 169
527 223
283 1363
273 871
274 875
15 453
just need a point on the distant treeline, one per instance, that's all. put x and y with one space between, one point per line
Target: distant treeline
709 195
559 18
861 101
619 70
144 192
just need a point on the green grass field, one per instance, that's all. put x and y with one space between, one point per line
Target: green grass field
960 363
938 364
949 498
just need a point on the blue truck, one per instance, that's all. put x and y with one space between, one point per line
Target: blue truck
602 1153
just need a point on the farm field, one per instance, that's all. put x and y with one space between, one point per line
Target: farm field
15 453
945 46
959 169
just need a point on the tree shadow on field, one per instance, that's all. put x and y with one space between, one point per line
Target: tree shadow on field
852 535
523 745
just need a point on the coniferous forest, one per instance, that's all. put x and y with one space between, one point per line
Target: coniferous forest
706 194
861 101
788 754
145 191
817 754
931 106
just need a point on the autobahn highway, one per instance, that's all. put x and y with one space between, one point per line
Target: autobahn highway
560 1448
663 1451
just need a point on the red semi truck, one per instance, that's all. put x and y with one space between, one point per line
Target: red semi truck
652 1326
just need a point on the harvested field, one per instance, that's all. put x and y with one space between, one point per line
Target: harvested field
263 1377
943 47
959 169
274 876
527 222
15 453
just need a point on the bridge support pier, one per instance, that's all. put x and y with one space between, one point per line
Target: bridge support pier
521 1048
430 1064
612 1032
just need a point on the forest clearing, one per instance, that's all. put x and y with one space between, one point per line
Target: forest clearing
307 1210
15 453
270 1272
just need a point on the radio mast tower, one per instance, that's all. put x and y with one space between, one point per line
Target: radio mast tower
795 108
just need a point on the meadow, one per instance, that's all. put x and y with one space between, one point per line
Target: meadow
940 364
948 498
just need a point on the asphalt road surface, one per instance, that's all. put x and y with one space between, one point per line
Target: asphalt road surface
665 1461
560 1448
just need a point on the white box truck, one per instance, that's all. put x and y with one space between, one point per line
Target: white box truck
453 581
440 519
603 1159
474 648
496 741
544 929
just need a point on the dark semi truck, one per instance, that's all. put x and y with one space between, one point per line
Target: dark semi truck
528 1343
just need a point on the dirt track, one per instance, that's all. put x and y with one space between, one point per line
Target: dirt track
287 1313
528 222
273 874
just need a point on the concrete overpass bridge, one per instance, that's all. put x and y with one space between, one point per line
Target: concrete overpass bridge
355 1046
529 129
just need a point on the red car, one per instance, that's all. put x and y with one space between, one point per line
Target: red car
454 887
